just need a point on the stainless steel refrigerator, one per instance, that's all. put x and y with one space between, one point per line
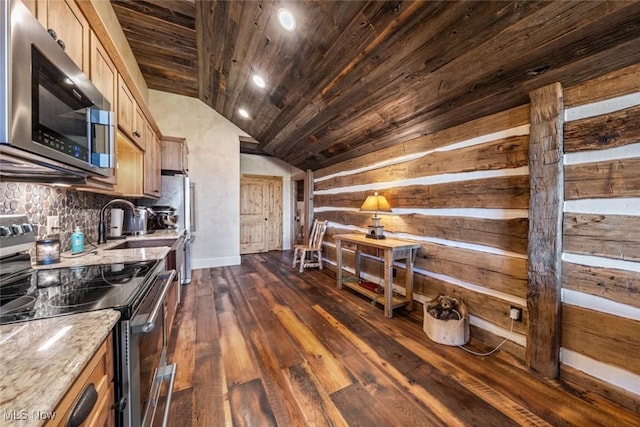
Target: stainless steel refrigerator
179 192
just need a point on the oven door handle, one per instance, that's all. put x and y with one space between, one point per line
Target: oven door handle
173 369
150 322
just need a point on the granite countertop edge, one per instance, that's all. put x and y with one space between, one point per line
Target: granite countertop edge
41 359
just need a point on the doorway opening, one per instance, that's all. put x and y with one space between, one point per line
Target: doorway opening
302 206
298 218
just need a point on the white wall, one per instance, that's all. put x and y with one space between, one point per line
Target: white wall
262 165
214 166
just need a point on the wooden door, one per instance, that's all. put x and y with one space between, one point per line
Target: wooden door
260 213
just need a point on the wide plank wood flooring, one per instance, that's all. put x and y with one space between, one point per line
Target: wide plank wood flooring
260 344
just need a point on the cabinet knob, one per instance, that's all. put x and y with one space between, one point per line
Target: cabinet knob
52 33
62 45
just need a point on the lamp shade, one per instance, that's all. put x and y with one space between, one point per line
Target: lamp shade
376 203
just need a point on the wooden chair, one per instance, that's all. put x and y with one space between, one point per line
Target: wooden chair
314 247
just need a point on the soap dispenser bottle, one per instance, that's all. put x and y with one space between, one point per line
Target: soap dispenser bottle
77 241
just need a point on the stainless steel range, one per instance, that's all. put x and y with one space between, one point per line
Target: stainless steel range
137 289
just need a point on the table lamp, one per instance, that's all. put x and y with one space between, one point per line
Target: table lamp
376 203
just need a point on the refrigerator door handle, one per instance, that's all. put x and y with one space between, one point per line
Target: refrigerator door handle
192 204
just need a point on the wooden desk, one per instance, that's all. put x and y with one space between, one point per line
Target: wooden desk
394 249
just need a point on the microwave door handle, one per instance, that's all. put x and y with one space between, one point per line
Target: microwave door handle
150 322
112 140
103 118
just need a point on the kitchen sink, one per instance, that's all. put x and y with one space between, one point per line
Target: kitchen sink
147 243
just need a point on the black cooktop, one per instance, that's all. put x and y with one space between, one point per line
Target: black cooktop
27 294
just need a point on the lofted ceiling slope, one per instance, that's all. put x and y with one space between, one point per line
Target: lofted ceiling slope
358 76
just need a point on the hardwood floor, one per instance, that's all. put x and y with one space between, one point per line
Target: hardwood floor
260 344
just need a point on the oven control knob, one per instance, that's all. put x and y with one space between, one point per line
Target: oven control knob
27 228
16 230
5 231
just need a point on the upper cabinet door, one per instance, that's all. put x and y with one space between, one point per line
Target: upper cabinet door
139 128
104 75
103 72
152 181
126 107
70 26
174 154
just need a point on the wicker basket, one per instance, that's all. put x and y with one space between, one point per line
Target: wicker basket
448 332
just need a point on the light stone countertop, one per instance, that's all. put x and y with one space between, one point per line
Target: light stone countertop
33 377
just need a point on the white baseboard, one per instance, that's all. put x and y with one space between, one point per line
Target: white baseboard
215 262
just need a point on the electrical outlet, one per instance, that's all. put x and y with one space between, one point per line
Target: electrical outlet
53 225
515 313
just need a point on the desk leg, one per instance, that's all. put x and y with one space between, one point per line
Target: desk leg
339 261
357 266
388 283
408 282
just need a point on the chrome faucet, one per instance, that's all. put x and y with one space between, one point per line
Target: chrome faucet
102 227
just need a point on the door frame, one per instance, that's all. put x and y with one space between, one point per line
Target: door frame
307 213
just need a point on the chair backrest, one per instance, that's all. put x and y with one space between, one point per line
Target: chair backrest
317 234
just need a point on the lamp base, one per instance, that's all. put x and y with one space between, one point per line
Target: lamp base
376 232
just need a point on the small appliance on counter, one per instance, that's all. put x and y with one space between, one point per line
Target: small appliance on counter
166 217
143 223
117 217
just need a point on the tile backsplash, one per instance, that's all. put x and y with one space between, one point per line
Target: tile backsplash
37 202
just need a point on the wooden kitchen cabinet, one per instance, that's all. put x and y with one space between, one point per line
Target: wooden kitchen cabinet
140 137
129 167
98 374
174 154
131 120
104 75
126 107
152 166
71 27
102 71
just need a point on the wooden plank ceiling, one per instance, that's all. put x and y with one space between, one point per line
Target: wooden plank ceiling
357 76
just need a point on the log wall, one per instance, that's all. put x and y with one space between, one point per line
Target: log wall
600 327
464 194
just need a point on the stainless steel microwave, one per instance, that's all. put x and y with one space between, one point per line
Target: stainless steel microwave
51 113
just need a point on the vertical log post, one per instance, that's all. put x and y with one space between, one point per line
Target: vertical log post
308 203
545 229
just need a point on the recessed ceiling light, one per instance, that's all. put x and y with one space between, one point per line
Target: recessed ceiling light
259 81
243 113
286 19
